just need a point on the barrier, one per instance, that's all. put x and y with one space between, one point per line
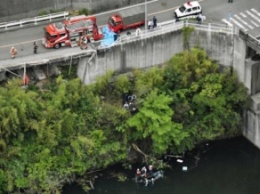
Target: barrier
35 20
171 25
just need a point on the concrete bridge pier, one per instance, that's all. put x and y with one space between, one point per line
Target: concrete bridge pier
2 76
252 121
252 115
87 68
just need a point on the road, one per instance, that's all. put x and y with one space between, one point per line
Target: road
243 14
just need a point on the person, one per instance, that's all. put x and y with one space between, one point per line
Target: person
25 80
143 172
137 174
144 175
199 19
13 52
35 47
154 22
150 172
138 32
126 105
83 42
150 24
230 1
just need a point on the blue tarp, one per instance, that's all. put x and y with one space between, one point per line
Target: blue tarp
109 37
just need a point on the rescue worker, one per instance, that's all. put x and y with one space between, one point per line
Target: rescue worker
35 47
154 22
150 171
199 19
83 43
150 24
137 174
13 52
25 80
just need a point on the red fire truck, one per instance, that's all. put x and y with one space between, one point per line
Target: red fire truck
69 32
126 19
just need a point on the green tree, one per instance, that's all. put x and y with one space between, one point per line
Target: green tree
154 121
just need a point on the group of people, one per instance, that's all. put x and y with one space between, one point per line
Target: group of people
152 23
13 50
145 174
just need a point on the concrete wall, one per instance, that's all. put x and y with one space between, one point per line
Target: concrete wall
19 9
143 53
252 121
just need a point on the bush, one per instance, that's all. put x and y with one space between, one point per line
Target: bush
84 11
43 12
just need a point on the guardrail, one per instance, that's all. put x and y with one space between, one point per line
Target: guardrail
172 25
35 20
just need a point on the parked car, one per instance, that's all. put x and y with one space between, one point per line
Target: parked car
188 10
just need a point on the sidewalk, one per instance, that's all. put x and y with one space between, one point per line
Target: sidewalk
58 55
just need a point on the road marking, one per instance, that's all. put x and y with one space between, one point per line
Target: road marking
10 45
245 23
256 25
243 15
159 12
238 24
255 11
253 16
227 22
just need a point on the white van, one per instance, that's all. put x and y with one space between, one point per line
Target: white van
188 10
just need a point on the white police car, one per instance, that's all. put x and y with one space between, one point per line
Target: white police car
188 10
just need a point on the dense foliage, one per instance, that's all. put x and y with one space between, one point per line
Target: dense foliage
50 135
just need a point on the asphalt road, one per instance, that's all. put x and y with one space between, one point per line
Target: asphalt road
216 11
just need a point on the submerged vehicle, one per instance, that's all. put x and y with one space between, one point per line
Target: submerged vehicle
149 179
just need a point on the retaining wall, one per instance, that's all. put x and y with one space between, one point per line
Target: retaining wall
143 53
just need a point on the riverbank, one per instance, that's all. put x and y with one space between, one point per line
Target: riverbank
230 166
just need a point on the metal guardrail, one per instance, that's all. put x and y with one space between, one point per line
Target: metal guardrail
171 25
35 20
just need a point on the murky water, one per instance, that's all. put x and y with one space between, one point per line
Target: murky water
225 167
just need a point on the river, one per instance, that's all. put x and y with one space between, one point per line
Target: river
230 166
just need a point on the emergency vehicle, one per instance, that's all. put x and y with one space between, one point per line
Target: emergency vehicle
188 10
69 32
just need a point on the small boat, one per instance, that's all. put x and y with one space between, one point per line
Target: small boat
150 179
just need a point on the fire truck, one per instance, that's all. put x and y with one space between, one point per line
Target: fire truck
69 32
126 19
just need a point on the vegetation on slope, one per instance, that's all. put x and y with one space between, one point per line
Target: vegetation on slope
49 137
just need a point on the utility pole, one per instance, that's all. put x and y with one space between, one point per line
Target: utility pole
145 15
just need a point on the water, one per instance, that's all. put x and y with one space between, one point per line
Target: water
225 167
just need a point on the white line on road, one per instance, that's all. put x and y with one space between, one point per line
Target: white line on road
21 43
243 15
254 23
159 12
238 24
245 23
255 11
227 22
253 16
